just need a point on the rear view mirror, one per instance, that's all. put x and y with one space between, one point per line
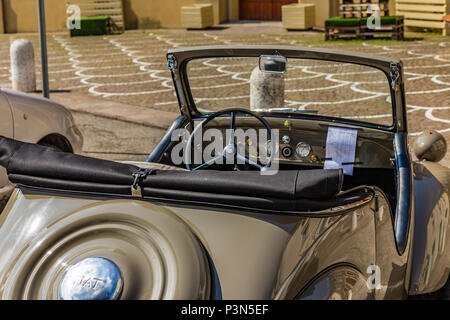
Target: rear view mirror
272 63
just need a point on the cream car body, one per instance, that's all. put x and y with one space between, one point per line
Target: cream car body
305 232
37 120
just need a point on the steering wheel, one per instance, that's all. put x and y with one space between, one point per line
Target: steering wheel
230 152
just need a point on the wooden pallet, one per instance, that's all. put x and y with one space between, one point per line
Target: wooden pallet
362 14
363 6
362 2
362 10
111 8
342 32
396 32
425 14
331 33
362 31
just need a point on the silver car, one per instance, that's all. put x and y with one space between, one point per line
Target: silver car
37 120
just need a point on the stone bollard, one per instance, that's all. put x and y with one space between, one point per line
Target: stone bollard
23 73
266 90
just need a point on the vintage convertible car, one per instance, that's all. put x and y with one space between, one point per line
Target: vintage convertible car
286 176
37 120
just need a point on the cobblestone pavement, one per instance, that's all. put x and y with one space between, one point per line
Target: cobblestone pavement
114 139
131 68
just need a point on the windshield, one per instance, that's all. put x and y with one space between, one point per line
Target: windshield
325 88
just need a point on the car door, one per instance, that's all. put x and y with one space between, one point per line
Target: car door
6 129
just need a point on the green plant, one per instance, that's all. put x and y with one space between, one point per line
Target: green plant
384 21
91 26
342 22
354 22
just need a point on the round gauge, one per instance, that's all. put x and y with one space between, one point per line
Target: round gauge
303 149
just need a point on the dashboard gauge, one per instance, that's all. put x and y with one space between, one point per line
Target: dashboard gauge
287 152
286 139
303 149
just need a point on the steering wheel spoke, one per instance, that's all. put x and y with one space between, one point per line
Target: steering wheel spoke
231 151
248 161
232 127
208 163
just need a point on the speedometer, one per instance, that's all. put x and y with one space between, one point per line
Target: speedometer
303 149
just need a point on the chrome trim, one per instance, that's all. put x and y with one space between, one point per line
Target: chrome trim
95 278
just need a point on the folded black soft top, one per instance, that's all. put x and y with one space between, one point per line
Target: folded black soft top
37 166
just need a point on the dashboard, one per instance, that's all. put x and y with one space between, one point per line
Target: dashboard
303 142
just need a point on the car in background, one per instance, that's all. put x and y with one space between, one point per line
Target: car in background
36 120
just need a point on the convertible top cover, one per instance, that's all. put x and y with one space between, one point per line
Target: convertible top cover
36 166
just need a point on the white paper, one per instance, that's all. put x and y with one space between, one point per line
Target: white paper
341 147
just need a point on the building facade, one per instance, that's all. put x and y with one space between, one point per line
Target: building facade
21 15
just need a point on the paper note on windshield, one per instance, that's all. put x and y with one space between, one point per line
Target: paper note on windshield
341 147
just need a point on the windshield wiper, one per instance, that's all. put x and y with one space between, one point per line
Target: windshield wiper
295 110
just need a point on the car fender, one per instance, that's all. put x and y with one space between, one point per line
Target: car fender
338 282
6 129
36 118
346 239
431 244
242 265
158 254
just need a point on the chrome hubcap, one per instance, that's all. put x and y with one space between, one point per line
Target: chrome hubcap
95 278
